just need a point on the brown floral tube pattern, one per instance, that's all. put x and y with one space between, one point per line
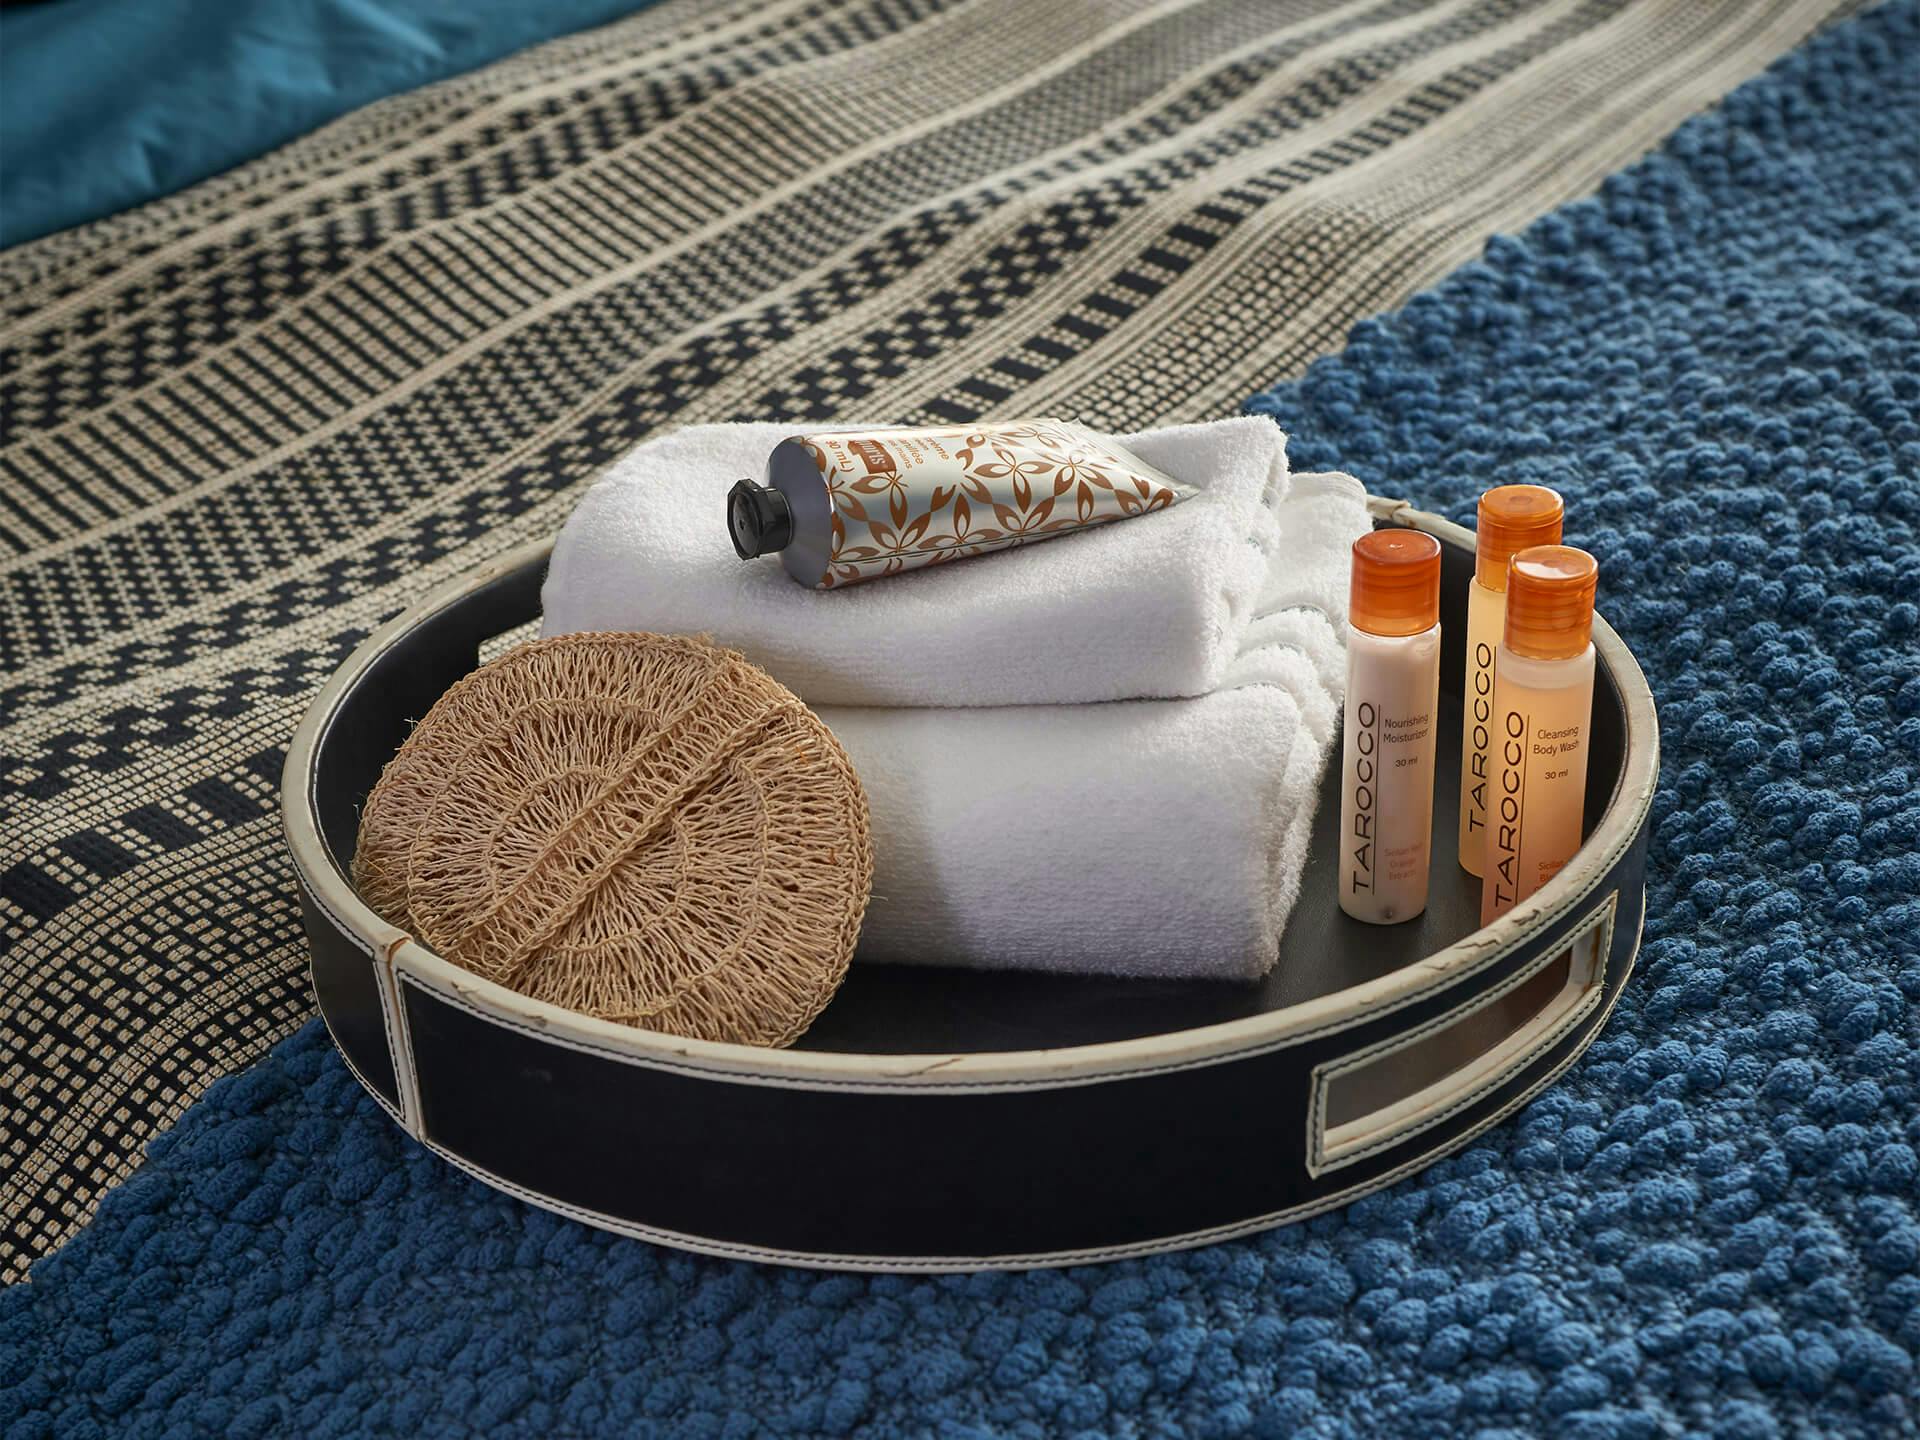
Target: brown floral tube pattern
846 506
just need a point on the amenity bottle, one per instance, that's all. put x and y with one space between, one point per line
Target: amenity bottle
1511 518
1393 697
1543 717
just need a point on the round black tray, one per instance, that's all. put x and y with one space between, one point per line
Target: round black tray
944 1119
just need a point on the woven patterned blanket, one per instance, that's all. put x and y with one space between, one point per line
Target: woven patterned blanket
1709 1229
243 425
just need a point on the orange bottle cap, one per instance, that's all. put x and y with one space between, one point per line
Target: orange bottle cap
1550 602
1396 582
1513 518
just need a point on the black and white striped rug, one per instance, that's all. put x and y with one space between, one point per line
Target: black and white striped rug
242 425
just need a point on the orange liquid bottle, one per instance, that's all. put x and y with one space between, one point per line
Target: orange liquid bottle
1542 719
1512 518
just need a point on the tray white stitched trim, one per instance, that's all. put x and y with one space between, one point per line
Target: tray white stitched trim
1600 921
934 1081
938 1264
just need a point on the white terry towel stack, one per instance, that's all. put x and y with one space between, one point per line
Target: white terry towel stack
1017 823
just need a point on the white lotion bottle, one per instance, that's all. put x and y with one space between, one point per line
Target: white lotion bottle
1543 717
1511 518
1391 722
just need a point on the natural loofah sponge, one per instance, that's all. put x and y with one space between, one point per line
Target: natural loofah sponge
645 828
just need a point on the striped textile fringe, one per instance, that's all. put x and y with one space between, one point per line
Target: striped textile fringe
242 425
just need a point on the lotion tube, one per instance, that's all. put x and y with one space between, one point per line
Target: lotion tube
1511 518
1543 715
844 506
1387 753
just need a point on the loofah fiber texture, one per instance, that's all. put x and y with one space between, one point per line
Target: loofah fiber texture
644 828
1707 1228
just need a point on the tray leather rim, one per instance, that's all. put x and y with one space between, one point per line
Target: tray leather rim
396 954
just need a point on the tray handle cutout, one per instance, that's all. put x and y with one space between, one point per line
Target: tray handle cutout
1365 1102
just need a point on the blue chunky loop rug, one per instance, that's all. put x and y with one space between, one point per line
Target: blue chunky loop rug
1707 1228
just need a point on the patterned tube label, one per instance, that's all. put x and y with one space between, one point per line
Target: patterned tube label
903 499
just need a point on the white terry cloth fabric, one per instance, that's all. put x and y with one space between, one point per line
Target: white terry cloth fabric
1303 606
1158 605
1142 837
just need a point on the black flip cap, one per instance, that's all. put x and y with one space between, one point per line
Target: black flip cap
759 519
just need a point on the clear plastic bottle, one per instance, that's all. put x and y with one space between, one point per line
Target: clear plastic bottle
1543 716
1511 518
1393 697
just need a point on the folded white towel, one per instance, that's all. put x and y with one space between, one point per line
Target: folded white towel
1153 606
1142 837
1303 604
1012 827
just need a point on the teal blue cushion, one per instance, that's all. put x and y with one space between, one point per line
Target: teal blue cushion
108 103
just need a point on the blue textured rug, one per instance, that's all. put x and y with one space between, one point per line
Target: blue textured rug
1707 1228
